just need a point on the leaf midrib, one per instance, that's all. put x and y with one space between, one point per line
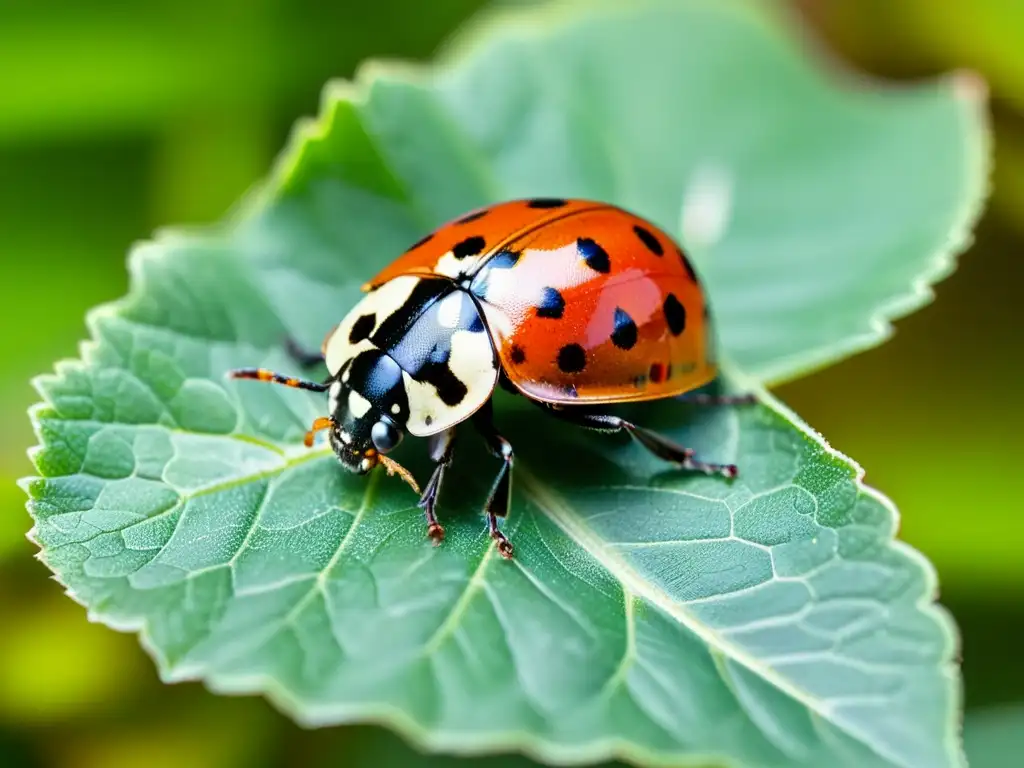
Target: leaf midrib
554 506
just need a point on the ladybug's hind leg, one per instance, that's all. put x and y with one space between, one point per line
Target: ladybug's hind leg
498 501
660 446
698 398
301 355
442 449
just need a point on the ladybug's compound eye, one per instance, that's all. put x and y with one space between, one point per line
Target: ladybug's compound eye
385 436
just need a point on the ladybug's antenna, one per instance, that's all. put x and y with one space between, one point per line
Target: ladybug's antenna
394 468
262 374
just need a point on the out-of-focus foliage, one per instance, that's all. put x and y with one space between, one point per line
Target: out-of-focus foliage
184 506
949 375
112 127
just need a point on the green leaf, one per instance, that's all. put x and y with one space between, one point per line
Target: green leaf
648 614
994 737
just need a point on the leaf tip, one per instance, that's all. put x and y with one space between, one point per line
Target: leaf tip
25 483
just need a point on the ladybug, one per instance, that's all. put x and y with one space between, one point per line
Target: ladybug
574 304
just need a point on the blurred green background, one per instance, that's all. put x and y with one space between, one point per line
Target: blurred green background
116 119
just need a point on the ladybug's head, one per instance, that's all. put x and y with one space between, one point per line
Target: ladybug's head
368 411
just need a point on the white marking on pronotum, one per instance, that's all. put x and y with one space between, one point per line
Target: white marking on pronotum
358 405
706 207
381 303
345 437
396 408
333 395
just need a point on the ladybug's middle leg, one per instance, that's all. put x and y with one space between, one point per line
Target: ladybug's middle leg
498 501
657 444
442 449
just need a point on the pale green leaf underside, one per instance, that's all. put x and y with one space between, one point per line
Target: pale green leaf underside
994 736
663 617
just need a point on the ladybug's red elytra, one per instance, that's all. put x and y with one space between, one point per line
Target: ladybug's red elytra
572 303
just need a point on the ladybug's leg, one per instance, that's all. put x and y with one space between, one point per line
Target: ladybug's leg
696 398
498 501
301 355
660 446
262 374
442 448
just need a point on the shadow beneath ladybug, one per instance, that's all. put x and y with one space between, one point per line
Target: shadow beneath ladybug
570 459
575 458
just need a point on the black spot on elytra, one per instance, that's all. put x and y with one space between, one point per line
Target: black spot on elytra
552 305
657 373
595 256
572 358
504 259
687 265
675 314
362 328
647 238
546 202
517 355
471 246
473 216
625 334
421 241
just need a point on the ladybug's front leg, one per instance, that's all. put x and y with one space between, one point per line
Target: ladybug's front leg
442 449
500 497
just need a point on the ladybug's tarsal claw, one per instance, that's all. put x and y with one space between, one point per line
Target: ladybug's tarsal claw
503 544
435 532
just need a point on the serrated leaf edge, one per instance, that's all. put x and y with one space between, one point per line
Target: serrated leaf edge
970 93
